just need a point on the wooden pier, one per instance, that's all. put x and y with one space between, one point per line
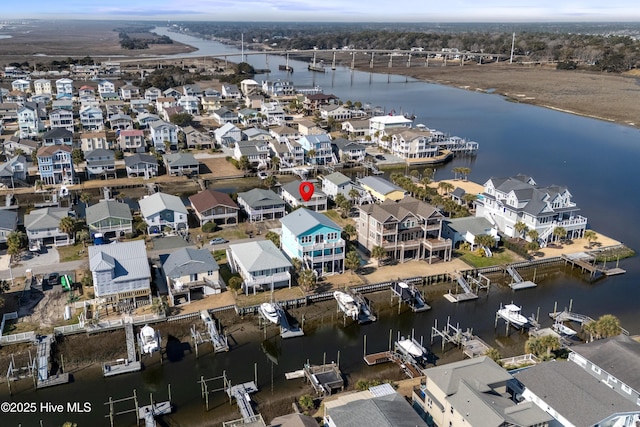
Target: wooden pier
587 262
240 393
466 295
517 282
42 365
472 346
128 364
324 379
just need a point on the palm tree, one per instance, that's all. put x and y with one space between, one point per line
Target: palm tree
378 252
533 235
307 279
457 171
608 325
274 237
311 154
465 173
339 199
270 181
85 198
297 265
244 163
469 198
559 233
520 228
354 195
349 230
352 261
16 242
275 163
83 235
67 225
485 240
591 237
494 354
445 187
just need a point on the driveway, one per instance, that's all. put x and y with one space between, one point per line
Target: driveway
47 256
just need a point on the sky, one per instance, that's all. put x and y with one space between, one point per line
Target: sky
329 10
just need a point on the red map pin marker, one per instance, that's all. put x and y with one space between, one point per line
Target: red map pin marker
306 190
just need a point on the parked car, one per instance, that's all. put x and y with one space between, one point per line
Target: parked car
218 241
52 279
380 157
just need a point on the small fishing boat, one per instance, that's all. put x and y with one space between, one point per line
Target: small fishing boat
149 340
563 330
511 313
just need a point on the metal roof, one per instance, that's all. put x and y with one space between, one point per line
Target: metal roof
187 261
302 220
180 159
389 410
258 197
45 218
160 201
380 185
129 260
259 255
107 209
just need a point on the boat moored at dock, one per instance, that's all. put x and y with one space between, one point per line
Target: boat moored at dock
347 304
149 340
511 313
269 311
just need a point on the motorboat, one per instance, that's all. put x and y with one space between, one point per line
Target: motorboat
347 304
149 340
511 313
269 311
563 330
411 351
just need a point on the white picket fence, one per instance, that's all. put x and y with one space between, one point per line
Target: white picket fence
14 338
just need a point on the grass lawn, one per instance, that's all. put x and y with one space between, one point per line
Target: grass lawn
278 295
71 252
335 217
502 256
220 255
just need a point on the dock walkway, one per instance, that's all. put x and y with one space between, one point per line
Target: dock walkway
218 340
128 364
43 353
472 346
324 378
240 393
410 296
587 262
287 330
466 295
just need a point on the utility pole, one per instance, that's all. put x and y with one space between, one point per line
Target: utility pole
513 43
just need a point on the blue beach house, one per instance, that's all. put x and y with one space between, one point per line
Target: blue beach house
313 238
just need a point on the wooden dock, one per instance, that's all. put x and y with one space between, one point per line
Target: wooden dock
378 358
409 295
466 295
324 379
240 393
128 364
287 330
44 379
472 345
517 282
587 262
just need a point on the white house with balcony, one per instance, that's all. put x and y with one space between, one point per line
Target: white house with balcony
60 118
93 141
412 144
163 211
42 87
64 88
507 201
161 131
55 165
29 122
261 265
43 227
320 145
290 193
91 119
314 239
106 86
22 85
380 126
109 217
132 141
191 273
260 204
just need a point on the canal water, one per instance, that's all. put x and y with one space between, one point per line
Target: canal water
596 160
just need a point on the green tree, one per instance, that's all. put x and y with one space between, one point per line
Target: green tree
275 163
85 198
533 235
68 226
16 242
457 171
533 246
83 235
349 230
520 228
311 155
244 163
378 252
307 279
181 119
542 346
235 283
494 354
465 173
270 181
445 187
591 236
306 403
167 146
77 156
354 194
469 199
352 261
485 240
339 200
606 326
274 237
559 233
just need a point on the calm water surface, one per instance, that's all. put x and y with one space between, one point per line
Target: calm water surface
595 159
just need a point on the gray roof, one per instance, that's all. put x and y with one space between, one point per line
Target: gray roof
303 220
45 218
473 224
338 178
100 152
259 197
160 201
107 209
8 219
140 158
618 356
58 133
129 259
346 145
5 168
259 255
180 159
528 192
391 410
187 261
458 192
574 393
480 371
399 210
293 188
380 185
294 420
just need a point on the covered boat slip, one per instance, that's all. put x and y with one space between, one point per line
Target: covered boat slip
325 379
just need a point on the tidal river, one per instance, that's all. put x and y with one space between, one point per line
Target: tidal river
596 160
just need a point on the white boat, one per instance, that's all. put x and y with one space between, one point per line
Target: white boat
347 304
149 340
269 311
262 175
511 313
410 347
563 330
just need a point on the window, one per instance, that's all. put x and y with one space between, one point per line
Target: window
332 236
626 388
319 238
306 239
595 369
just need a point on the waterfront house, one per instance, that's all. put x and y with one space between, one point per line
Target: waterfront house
22 85
507 201
121 274
466 229
143 165
145 119
379 126
380 406
191 273
162 132
321 146
257 152
289 151
314 239
64 88
196 139
109 217
335 112
190 104
290 193
57 136
230 91
214 206
55 165
573 397
382 189
94 141
348 151
179 164
29 121
224 115
260 204
614 361
8 223
13 172
278 88
43 227
249 87
91 119
261 265
132 141
314 101
412 144
338 183
60 118
162 212
407 229
473 393
105 86
99 163
227 134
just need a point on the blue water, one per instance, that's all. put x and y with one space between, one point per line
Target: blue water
596 160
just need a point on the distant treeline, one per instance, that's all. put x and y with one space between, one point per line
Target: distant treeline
140 38
613 50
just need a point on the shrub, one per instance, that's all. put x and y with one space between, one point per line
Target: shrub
209 227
